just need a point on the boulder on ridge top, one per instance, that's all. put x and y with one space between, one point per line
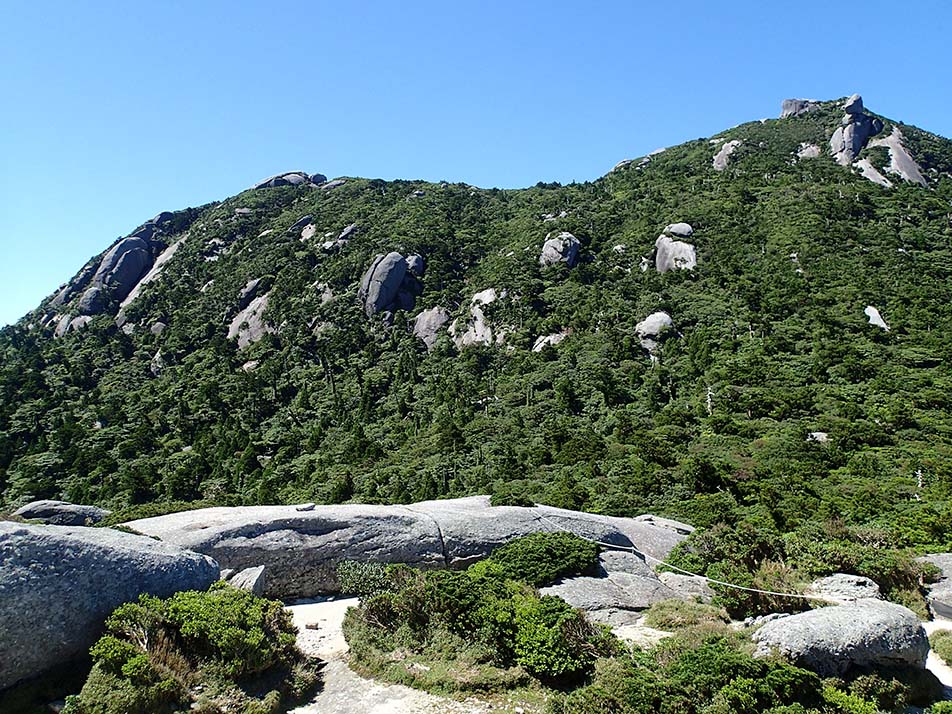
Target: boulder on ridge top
61 513
796 107
60 583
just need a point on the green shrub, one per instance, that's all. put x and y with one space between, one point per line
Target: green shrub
940 708
363 579
540 559
941 643
155 650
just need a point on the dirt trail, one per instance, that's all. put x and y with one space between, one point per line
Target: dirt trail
344 691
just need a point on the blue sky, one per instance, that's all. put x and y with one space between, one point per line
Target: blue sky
114 111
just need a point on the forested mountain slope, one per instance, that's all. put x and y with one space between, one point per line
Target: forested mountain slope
771 384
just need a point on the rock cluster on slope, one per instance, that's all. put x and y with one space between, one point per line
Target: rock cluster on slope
673 254
391 283
651 330
796 107
428 324
291 178
831 640
854 132
722 157
478 329
300 549
59 584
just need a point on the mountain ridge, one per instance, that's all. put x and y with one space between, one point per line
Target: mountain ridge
246 368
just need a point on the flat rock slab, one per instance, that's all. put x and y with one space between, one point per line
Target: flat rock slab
61 513
58 584
301 549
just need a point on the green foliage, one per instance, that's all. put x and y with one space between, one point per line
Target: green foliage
540 559
470 630
239 646
941 643
364 579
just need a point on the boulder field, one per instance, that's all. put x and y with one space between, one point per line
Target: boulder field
300 546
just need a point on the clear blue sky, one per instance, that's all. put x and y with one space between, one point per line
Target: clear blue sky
113 111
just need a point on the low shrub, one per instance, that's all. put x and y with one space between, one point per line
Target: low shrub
540 559
679 614
941 643
364 579
240 647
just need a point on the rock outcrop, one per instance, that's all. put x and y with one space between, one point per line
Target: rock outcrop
478 330
552 340
390 284
855 131
292 178
428 324
672 254
249 325
59 584
832 640
651 330
722 157
61 513
875 318
901 162
618 594
939 593
807 150
300 549
796 107
842 586
560 248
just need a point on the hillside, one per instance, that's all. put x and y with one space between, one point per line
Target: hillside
785 355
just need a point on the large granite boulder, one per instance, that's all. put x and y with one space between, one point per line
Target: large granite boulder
939 593
118 273
300 549
428 324
673 254
58 584
901 162
723 155
61 513
652 329
796 107
843 586
832 640
292 178
854 132
391 283
560 248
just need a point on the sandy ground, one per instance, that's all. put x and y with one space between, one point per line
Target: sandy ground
344 691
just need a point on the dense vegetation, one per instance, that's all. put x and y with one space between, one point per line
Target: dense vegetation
224 650
481 629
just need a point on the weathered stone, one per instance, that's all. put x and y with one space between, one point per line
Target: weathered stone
317 179
723 155
687 587
673 254
416 264
652 328
871 173
901 162
853 105
428 323
939 594
831 640
61 513
248 293
796 107
845 586
669 523
249 325
875 318
808 151
561 248
58 584
301 549
381 283
250 579
333 184
681 230
299 223
552 340
479 330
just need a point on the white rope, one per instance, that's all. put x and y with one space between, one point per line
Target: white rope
713 581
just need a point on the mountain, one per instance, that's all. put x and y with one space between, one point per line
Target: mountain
759 320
